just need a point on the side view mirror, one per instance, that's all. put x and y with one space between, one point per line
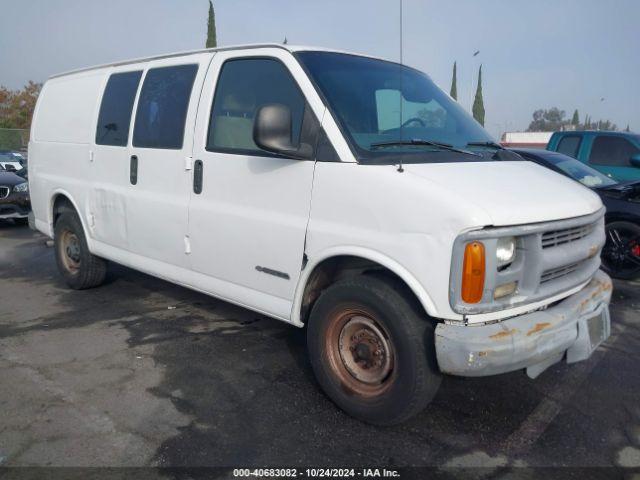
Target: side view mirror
10 168
635 160
272 131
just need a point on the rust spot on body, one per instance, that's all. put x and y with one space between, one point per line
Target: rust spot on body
503 334
538 327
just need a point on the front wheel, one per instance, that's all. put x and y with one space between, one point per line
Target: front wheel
78 266
371 350
621 252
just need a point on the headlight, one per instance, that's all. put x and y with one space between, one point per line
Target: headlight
505 250
21 187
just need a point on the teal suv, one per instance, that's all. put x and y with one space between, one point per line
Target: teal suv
616 154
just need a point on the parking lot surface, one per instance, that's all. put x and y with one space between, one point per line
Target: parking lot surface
142 372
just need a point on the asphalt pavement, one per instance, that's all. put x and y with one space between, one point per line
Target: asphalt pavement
141 372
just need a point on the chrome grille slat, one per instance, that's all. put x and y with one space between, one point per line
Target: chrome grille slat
555 273
4 191
560 237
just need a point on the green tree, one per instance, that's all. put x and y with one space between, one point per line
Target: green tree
16 107
211 28
550 120
454 83
478 102
627 129
575 121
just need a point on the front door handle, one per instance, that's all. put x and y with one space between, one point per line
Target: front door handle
197 177
133 170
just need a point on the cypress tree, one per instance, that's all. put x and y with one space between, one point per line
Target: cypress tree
211 28
454 83
478 103
575 121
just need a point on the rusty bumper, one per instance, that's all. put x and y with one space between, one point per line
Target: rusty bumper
573 327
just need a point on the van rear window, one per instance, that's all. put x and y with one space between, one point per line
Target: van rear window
162 107
115 111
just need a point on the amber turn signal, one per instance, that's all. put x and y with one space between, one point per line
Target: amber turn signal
473 272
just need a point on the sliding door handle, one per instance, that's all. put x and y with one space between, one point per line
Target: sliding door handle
197 177
133 170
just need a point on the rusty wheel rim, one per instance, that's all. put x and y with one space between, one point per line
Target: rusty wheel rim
70 251
361 352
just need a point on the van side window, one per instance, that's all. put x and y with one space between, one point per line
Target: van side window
162 107
569 145
245 85
612 151
115 110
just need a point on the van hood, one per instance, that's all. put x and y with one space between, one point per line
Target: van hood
511 192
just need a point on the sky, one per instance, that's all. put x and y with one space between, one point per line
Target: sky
535 54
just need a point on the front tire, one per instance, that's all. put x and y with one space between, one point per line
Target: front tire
77 265
621 252
371 350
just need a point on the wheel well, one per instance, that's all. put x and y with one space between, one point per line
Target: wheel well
333 269
61 204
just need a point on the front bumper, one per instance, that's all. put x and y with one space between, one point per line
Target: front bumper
575 326
16 205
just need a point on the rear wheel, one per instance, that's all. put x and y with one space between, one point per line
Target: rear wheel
621 253
372 351
77 265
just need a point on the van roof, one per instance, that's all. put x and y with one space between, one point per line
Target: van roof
290 48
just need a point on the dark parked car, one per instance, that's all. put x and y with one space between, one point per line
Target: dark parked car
23 172
14 197
12 160
621 253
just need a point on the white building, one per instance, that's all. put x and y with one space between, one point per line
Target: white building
526 139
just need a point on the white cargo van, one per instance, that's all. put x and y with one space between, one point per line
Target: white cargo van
339 192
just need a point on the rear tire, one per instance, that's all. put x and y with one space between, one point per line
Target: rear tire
372 350
621 252
77 265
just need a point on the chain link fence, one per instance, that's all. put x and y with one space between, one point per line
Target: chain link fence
14 139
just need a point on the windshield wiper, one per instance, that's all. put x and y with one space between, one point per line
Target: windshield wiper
486 144
443 146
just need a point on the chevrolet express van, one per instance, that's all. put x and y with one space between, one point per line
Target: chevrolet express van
341 193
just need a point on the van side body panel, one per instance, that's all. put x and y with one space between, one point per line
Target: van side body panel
61 134
389 224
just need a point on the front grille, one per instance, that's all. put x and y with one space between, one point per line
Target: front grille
554 273
552 257
566 235
4 192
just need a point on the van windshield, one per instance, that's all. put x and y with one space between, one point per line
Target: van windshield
385 108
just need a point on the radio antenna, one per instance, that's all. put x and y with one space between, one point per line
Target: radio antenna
400 169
